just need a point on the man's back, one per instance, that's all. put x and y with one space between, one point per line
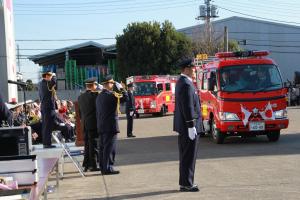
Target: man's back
87 109
107 117
45 94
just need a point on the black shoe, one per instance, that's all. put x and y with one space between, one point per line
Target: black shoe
94 169
49 146
129 136
111 172
193 188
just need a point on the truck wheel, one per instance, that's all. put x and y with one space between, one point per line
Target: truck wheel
216 134
162 111
273 136
137 115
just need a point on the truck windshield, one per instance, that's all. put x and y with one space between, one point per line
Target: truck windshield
250 78
145 88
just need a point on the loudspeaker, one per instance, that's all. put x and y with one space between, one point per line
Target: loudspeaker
15 141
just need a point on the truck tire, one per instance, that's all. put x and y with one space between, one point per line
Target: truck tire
137 115
216 134
163 111
273 136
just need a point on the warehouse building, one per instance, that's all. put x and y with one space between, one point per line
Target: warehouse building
282 40
74 64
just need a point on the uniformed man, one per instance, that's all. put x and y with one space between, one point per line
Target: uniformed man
47 98
5 114
130 110
188 123
87 114
108 104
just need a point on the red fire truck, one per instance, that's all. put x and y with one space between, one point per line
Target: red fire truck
154 94
242 94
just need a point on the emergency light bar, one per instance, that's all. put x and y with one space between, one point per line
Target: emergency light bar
241 54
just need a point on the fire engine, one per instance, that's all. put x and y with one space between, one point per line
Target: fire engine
242 94
154 94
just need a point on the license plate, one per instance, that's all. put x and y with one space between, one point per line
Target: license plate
140 111
257 126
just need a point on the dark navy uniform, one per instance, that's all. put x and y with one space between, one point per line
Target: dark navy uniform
5 114
187 115
130 109
108 126
47 108
87 114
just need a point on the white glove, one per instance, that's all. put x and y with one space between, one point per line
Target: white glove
192 133
119 85
100 87
131 113
61 124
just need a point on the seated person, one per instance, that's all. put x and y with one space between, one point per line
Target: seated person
66 129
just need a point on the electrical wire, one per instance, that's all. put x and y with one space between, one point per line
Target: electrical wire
149 9
110 6
264 18
62 40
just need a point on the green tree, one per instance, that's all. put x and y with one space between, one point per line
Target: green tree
150 48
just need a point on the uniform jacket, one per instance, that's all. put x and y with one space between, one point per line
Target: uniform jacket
187 107
130 104
5 114
107 116
45 94
87 109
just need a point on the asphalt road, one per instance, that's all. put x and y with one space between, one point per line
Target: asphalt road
251 168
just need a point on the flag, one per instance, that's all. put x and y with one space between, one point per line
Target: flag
246 115
268 113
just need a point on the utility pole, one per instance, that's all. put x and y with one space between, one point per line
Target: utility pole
18 59
225 39
207 11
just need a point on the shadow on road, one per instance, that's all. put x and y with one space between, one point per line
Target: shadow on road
145 116
163 149
137 196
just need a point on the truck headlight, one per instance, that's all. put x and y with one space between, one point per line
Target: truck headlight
153 104
280 114
228 116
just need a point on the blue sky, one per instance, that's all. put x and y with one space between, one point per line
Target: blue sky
66 19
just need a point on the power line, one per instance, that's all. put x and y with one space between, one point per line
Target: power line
264 40
264 18
271 45
61 4
155 8
266 7
254 32
111 6
62 40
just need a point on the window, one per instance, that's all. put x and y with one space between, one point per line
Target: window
250 78
144 88
160 87
168 87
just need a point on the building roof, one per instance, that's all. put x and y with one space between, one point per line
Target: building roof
87 53
241 18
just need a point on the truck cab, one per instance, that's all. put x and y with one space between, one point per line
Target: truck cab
242 94
154 94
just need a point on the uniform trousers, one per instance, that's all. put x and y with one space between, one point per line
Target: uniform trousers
129 124
90 144
107 151
187 159
47 125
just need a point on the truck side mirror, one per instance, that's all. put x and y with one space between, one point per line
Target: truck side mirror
211 81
